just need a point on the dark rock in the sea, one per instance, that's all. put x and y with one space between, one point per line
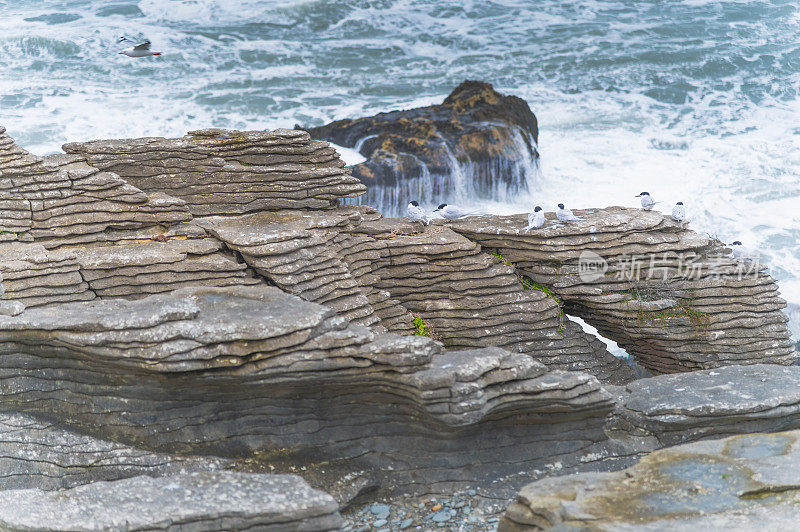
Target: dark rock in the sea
475 142
203 501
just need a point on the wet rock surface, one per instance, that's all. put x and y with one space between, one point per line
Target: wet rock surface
488 137
743 482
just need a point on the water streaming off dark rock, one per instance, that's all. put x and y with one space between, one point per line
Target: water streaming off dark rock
477 145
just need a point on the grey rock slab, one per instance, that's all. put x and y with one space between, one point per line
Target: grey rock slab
745 482
220 500
712 403
38 454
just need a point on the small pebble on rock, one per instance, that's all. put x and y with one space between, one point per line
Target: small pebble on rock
380 509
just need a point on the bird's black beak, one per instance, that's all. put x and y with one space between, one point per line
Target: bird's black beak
638 196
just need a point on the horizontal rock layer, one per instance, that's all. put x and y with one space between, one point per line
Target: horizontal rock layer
675 299
229 172
747 482
36 276
712 403
206 501
59 200
44 456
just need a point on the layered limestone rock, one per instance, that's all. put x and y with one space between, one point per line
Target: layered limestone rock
38 276
476 143
747 482
255 374
70 232
229 172
711 403
102 380
208 501
35 454
58 203
675 299
373 271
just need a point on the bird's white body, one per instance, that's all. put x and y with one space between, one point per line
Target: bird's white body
678 213
648 203
743 253
451 212
415 212
535 219
133 52
565 215
138 50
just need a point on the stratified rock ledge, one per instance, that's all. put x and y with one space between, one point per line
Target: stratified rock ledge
213 501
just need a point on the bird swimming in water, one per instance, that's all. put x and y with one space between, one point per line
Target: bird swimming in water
678 212
565 215
415 212
451 212
647 201
535 219
137 50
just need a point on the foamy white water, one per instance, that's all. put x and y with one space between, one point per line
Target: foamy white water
694 100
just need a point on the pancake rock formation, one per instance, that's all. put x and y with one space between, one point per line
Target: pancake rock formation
675 299
229 172
202 312
475 143
174 373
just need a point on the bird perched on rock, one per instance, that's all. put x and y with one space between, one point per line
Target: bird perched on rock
678 212
647 201
415 212
535 219
565 215
742 253
451 212
137 50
